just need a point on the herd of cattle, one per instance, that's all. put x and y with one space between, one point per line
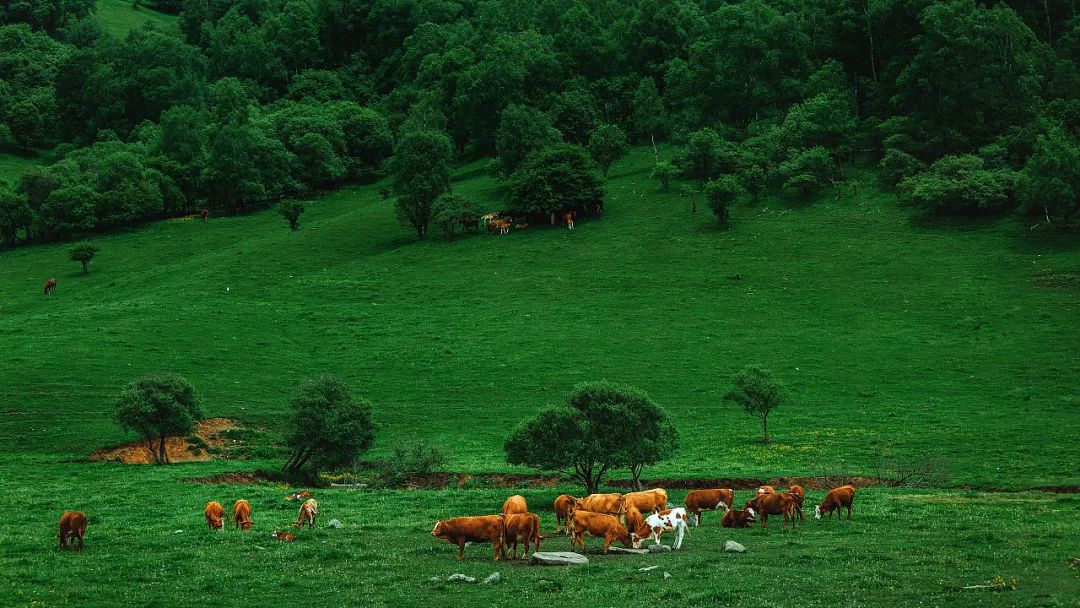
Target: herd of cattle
621 517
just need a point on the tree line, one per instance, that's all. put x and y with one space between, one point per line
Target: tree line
969 106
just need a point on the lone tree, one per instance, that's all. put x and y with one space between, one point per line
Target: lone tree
555 178
758 394
603 426
421 168
720 193
290 210
607 144
327 427
83 253
664 171
156 407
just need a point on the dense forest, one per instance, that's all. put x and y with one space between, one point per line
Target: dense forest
966 107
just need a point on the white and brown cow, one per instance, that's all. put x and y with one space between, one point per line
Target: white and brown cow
658 523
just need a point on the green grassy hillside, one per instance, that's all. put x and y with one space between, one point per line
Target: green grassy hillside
893 334
118 17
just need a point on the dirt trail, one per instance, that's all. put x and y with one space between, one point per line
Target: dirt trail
180 449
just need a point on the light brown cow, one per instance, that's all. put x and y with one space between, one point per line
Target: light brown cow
515 504
773 504
308 511
600 525
73 527
564 506
241 512
799 495
609 504
735 518
836 500
708 500
524 527
766 490
50 285
648 501
215 515
481 529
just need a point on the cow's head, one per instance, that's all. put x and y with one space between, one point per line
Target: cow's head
246 524
439 530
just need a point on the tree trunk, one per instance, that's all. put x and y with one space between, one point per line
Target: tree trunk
635 476
656 153
870 35
84 263
163 456
765 429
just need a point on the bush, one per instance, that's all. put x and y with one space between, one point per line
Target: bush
290 210
720 193
956 184
327 427
664 171
559 177
410 459
897 165
453 210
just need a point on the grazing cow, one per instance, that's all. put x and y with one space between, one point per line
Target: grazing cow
301 495
50 285
215 515
608 527
308 511
524 527
773 504
633 518
470 222
799 495
708 500
285 536
735 518
658 523
836 500
502 224
766 490
609 504
205 215
569 217
564 506
515 504
73 527
481 529
241 513
648 501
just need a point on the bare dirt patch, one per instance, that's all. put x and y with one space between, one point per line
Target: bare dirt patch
206 441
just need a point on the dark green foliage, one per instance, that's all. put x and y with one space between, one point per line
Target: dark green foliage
290 209
83 253
758 394
156 407
958 184
327 427
897 165
522 131
421 167
48 15
453 211
607 144
575 116
16 217
807 170
720 193
557 178
1050 182
664 171
412 459
754 181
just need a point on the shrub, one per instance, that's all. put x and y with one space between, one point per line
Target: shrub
327 427
959 183
897 165
409 459
758 394
290 210
720 193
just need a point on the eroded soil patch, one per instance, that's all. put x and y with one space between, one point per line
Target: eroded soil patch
212 438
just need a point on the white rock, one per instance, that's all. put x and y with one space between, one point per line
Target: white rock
559 558
659 548
734 547
460 578
492 579
335 523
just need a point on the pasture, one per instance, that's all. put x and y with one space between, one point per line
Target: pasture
894 334
118 17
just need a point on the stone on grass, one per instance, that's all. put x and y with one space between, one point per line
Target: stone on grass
667 575
625 550
434 579
335 523
492 579
659 548
734 547
460 578
559 558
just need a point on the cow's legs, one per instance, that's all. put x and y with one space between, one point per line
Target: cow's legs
849 512
461 549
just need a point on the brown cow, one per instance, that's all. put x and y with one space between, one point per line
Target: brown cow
50 285
648 501
524 527
608 527
515 504
564 506
773 504
502 224
836 500
301 495
708 500
569 217
308 511
285 536
735 518
766 490
633 518
215 515
609 504
73 527
205 215
481 529
799 495
241 513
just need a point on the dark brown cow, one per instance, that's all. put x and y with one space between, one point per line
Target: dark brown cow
735 518
773 504
215 515
708 500
564 506
50 285
524 527
73 527
515 504
836 500
608 527
799 495
205 215
481 529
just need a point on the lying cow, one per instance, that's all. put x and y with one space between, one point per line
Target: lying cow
735 518
241 513
601 525
215 515
515 504
658 523
773 504
766 490
308 511
523 527
708 500
301 495
836 500
564 506
799 495
285 536
72 527
609 504
481 529
648 501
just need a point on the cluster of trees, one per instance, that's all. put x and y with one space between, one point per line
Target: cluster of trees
255 99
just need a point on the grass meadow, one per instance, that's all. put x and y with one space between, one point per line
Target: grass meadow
118 17
895 334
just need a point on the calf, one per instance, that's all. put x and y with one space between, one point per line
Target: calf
799 496
601 525
836 500
73 527
515 504
708 500
564 506
241 512
766 490
50 285
774 504
524 527
658 523
502 224
569 217
308 511
301 495
609 504
215 515
735 518
285 536
648 501
482 529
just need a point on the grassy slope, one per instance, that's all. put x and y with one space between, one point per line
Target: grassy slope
118 17
12 165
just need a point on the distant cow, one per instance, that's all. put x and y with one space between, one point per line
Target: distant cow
735 518
708 500
502 224
73 527
569 218
515 504
564 506
609 504
523 527
836 500
215 515
308 511
285 536
773 504
50 285
301 495
766 490
799 495
658 523
608 527
481 529
241 513
205 215
648 501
